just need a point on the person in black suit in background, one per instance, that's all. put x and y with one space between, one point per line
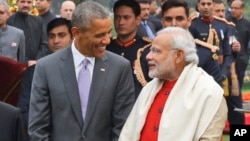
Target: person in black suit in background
36 45
146 28
11 124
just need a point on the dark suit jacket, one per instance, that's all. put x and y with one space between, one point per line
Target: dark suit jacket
24 98
207 63
157 23
55 110
141 31
36 44
11 126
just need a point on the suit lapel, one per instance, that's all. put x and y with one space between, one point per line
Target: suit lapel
99 74
68 73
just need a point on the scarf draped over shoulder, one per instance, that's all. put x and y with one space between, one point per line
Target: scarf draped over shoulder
191 106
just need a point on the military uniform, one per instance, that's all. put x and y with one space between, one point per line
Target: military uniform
241 62
200 29
133 51
208 64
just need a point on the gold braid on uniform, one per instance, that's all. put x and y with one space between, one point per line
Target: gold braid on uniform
213 48
212 42
137 66
207 45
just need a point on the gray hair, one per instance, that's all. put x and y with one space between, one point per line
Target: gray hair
6 6
86 12
182 39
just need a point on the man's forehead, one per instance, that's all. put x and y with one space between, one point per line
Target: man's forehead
181 13
206 1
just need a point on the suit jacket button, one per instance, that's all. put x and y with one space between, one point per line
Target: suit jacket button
155 128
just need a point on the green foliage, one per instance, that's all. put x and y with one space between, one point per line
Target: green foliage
247 10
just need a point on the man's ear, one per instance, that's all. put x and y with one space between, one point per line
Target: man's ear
75 32
179 57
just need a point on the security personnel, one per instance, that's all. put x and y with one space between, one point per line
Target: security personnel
129 50
176 13
241 61
128 44
206 28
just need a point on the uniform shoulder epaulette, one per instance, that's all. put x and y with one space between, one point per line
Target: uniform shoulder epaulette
224 20
193 16
147 39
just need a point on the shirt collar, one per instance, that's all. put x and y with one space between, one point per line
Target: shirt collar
79 57
4 28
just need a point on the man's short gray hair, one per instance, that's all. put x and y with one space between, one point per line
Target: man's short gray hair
6 6
87 11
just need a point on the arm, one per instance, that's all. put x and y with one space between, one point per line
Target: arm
21 49
227 58
43 45
40 107
124 101
216 126
24 98
20 132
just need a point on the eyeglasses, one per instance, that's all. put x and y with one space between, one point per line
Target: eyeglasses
155 51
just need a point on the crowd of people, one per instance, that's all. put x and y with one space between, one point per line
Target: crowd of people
167 75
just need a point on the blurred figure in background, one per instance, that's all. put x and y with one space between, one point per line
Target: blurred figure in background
11 124
43 7
36 45
232 92
146 27
12 39
67 9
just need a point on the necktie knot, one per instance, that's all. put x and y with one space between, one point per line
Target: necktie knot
85 63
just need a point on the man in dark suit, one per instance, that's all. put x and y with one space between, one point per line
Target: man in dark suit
11 126
43 7
36 45
57 110
146 28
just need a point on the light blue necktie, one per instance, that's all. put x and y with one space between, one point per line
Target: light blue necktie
84 81
148 30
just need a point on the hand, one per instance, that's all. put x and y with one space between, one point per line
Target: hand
31 62
236 46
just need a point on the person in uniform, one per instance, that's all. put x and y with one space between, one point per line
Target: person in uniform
242 26
232 92
176 13
128 44
207 29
